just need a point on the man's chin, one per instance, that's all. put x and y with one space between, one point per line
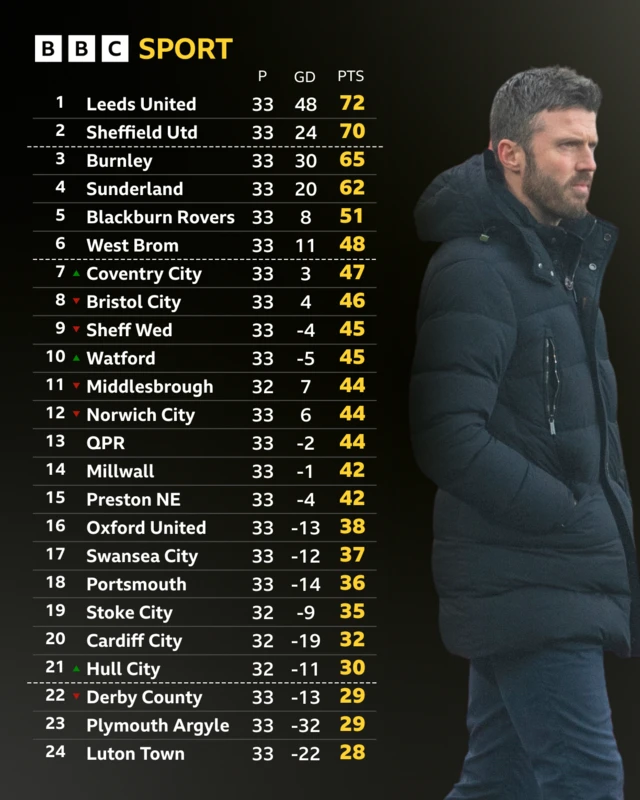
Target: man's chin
577 213
573 211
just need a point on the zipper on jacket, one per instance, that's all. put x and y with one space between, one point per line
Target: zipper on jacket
570 281
551 376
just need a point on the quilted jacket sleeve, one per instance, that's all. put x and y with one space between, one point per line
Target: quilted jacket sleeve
466 333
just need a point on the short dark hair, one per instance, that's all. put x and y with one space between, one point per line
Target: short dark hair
526 94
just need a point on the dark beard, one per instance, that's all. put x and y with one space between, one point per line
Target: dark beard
548 195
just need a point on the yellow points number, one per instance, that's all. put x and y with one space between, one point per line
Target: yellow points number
352 751
356 129
351 638
353 497
352 724
349 667
350 215
355 582
348 610
352 356
352 469
356 99
355 299
353 327
356 243
352 186
349 441
354 553
348 385
349 525
352 695
353 158
349 413
352 271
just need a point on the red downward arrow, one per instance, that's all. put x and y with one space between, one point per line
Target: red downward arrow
76 695
76 299
76 413
76 328
76 385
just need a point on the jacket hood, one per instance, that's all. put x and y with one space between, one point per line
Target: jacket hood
472 199
459 202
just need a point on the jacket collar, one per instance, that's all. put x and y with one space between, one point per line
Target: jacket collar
593 234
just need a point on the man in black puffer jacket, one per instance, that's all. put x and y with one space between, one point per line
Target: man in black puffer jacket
513 416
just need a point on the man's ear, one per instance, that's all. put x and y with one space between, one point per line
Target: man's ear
511 156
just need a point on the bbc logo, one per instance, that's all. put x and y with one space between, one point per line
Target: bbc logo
82 48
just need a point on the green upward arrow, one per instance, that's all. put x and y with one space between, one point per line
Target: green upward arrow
76 358
76 668
76 274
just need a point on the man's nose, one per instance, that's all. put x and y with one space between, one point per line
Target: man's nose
587 161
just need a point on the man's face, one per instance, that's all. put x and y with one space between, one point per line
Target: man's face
560 164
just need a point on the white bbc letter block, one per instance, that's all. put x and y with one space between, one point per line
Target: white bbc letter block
82 48
115 48
48 48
